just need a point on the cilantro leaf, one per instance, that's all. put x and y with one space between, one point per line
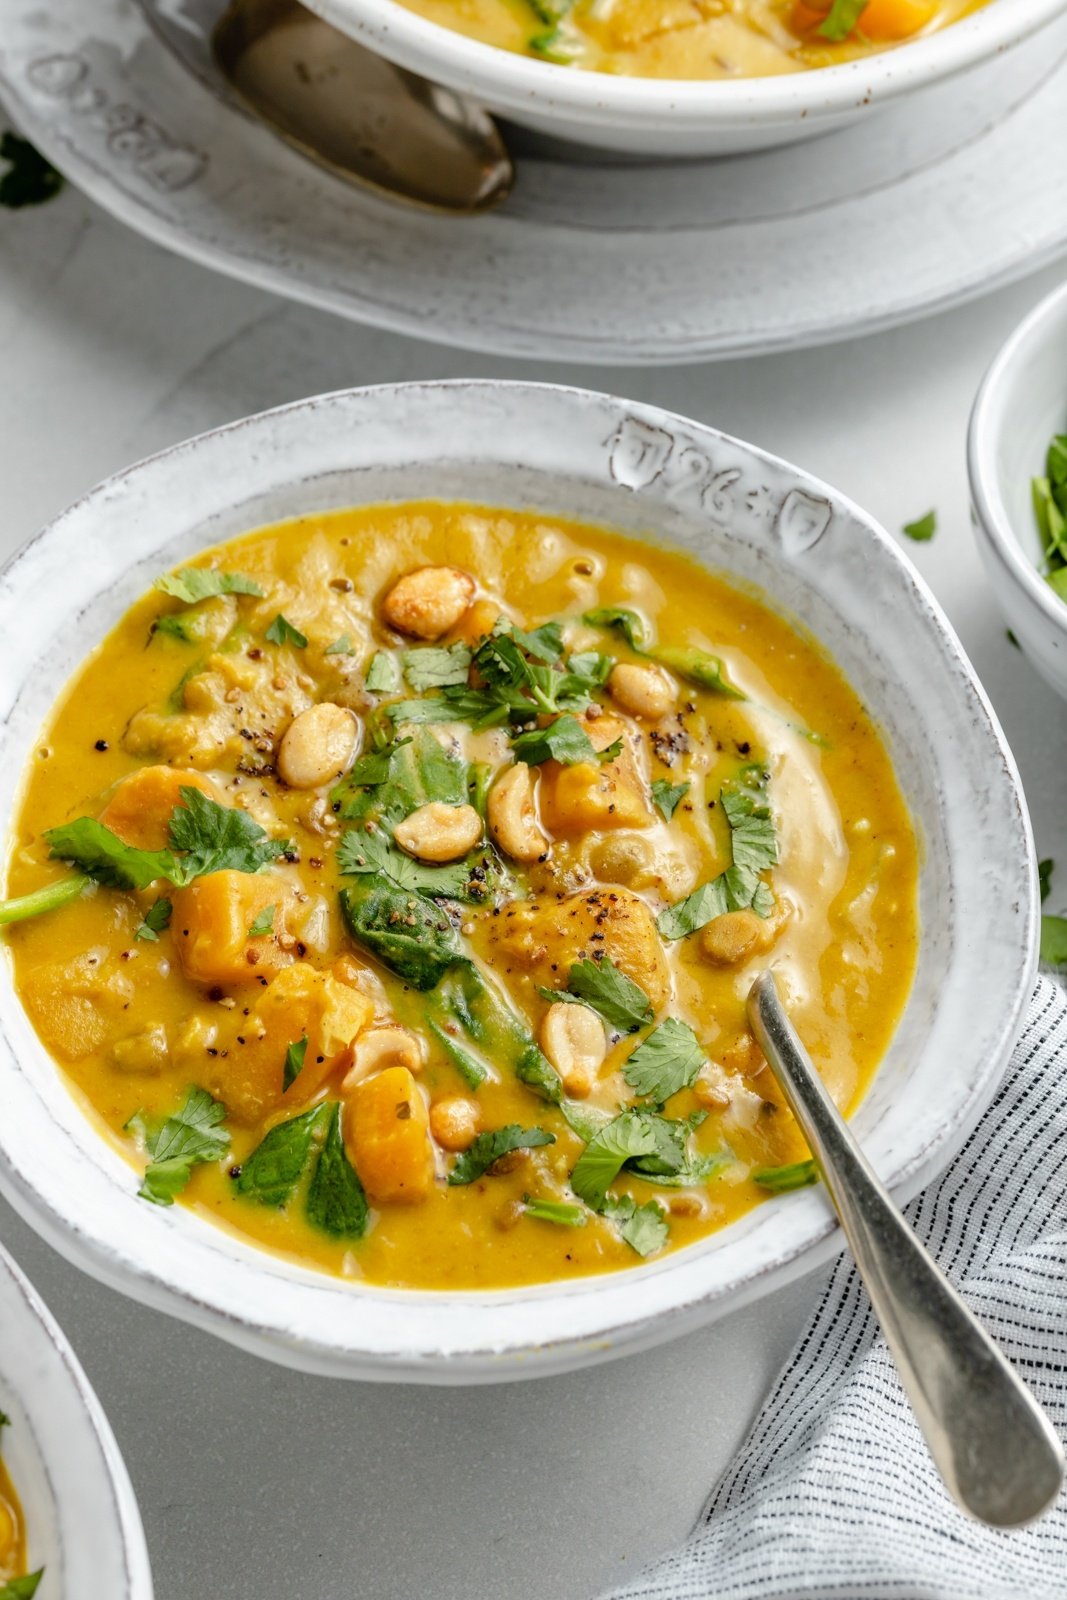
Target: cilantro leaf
557 1211
627 1135
157 917
103 856
707 901
842 19
544 643
370 850
670 1158
922 529
489 1147
633 627
29 181
668 1060
753 839
564 740
1054 941
23 1588
619 1000
336 1203
437 666
218 838
54 895
263 923
191 584
188 1138
340 647
281 631
294 1062
173 624
666 797
1044 877
383 674
777 1180
273 1170
644 1228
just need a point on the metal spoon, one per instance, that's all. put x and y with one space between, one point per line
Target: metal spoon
990 1440
365 119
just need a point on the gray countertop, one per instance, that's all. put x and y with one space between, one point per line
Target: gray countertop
256 1483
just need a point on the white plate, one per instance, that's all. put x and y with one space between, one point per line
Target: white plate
591 260
735 508
82 1521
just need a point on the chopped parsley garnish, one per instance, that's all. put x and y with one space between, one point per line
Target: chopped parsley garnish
191 1137
923 529
668 1060
755 847
282 631
841 19
383 674
294 1062
600 984
487 1148
777 1180
557 1211
667 796
157 917
564 740
340 647
436 666
191 584
29 181
644 1228
209 837
263 924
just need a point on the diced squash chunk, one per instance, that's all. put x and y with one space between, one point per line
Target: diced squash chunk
586 798
545 938
879 20
301 1003
210 924
140 806
388 1137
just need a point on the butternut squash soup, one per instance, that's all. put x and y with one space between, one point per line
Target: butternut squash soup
695 38
15 1582
389 884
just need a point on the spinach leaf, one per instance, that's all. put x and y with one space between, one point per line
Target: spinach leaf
294 1062
336 1203
277 1164
406 931
799 1175
556 1211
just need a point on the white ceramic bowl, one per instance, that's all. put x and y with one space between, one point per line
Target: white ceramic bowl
815 555
1021 404
82 1521
650 117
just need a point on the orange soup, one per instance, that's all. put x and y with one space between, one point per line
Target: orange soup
695 38
390 882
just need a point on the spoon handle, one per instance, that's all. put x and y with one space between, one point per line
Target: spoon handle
990 1440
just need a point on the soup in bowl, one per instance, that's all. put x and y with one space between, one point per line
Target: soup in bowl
387 882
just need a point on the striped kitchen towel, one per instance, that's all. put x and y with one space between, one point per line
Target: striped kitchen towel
833 1494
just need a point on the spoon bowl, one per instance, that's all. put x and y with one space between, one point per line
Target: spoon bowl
365 119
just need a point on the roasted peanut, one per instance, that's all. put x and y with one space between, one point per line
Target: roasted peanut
383 1047
734 937
642 691
455 1122
438 832
572 1037
427 603
512 815
318 746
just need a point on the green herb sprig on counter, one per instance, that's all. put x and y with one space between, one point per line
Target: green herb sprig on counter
922 530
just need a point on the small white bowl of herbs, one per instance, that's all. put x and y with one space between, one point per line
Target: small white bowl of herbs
1017 460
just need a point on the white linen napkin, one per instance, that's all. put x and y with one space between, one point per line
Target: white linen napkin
833 1494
